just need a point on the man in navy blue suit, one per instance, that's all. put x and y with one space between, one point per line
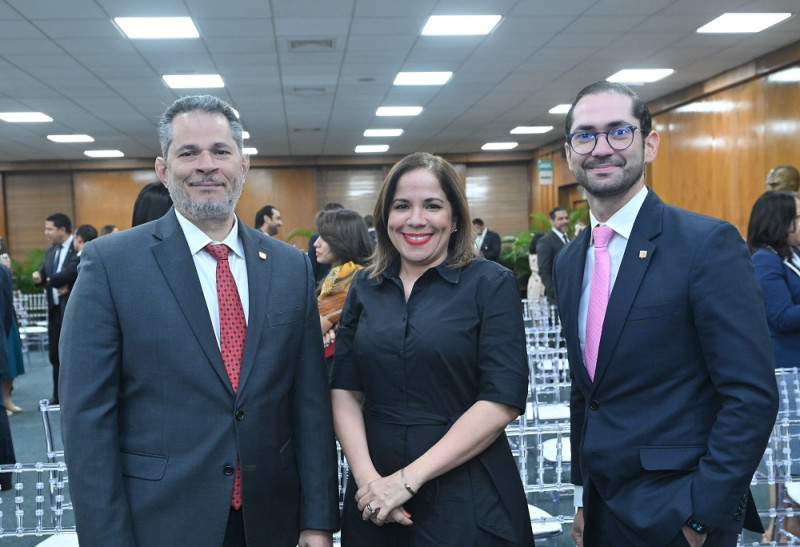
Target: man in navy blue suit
673 409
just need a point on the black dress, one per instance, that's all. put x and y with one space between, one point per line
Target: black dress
420 365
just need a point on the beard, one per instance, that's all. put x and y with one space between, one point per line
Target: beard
206 209
609 187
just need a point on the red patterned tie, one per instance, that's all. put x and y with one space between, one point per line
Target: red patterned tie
232 331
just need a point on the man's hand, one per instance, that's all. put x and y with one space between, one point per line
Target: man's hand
577 527
694 539
315 538
37 279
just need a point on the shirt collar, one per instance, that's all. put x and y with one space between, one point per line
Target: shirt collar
197 239
444 270
622 221
67 243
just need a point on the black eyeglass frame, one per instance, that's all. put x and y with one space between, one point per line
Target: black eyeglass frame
632 128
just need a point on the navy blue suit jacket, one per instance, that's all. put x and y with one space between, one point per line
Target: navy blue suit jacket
781 287
152 427
684 397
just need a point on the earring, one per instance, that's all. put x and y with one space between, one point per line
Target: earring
454 230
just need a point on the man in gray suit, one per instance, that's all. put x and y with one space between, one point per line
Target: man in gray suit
548 247
168 441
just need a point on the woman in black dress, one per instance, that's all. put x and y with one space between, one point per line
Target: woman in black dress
430 367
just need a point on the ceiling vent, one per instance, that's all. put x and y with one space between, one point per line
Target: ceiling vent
312 45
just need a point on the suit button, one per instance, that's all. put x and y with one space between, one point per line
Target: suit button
228 470
240 415
594 405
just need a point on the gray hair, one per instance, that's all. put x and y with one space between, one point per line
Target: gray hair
203 103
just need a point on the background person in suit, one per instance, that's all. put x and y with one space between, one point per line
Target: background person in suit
547 248
178 429
268 220
674 395
59 255
487 242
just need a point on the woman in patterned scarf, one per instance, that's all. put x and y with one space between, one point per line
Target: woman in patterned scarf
343 243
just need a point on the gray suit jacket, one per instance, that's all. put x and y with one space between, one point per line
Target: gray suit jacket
152 428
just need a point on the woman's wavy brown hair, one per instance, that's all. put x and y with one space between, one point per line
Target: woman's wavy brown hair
460 249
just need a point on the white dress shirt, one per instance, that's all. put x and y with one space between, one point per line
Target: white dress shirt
206 266
622 224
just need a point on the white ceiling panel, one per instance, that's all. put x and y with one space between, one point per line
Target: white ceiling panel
66 58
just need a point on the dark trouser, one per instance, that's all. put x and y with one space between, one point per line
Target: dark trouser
601 529
54 315
6 450
234 533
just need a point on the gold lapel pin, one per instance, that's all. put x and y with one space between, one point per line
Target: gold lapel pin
642 254
262 255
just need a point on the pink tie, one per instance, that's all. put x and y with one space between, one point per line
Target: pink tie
232 332
598 296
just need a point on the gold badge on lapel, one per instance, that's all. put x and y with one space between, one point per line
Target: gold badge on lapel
262 255
642 254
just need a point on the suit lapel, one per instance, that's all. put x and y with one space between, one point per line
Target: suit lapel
172 255
638 254
574 259
259 266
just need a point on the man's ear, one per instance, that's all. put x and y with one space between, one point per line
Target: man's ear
162 170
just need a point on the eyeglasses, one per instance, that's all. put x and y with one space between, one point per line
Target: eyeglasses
584 142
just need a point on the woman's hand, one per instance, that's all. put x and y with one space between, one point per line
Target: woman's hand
329 337
381 501
325 325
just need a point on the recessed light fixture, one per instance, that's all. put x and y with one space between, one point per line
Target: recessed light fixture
398 111
183 81
499 146
383 132
743 22
24 117
706 106
70 138
640 75
788 75
371 148
531 129
156 27
560 109
250 151
104 153
245 135
460 25
422 78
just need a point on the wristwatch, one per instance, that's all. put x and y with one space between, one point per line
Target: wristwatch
697 527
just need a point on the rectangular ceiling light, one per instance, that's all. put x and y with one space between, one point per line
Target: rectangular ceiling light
788 75
640 75
24 117
460 25
157 27
743 22
104 153
371 148
70 138
399 111
422 78
383 132
245 135
203 81
531 129
250 151
499 146
560 109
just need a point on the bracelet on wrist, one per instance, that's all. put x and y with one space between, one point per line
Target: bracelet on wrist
405 484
